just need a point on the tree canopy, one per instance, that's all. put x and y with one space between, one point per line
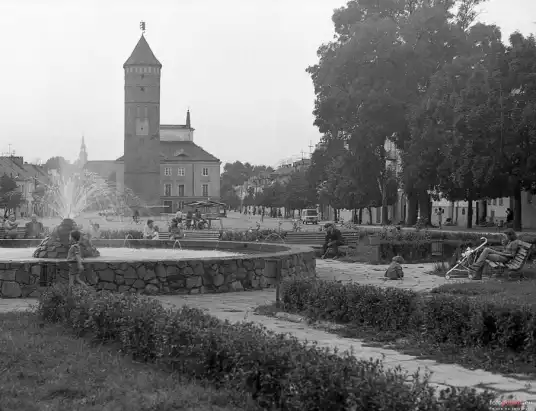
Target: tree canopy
458 104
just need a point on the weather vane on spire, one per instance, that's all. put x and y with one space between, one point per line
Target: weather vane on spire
142 27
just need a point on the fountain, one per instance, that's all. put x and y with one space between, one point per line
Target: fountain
57 244
146 266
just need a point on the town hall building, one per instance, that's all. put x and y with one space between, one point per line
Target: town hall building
161 164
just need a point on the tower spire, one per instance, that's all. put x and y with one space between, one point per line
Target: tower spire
188 122
82 157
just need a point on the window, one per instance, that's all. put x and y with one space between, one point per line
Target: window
181 190
181 172
205 190
167 190
205 171
500 201
494 201
167 171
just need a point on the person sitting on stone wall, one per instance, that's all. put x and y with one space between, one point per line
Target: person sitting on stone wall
11 226
149 231
332 241
34 229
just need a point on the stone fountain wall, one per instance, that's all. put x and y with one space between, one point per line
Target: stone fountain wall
188 276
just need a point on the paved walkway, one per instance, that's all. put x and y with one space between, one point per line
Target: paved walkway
416 276
240 306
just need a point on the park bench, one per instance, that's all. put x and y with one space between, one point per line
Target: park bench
516 263
21 232
202 235
193 235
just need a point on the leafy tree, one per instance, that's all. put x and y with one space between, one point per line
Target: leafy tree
58 163
369 79
516 139
230 198
454 124
236 174
299 192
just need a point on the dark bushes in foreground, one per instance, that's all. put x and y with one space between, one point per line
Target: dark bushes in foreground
278 371
437 318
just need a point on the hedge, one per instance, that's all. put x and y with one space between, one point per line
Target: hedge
436 318
277 371
225 235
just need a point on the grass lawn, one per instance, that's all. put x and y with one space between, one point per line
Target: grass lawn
514 292
44 368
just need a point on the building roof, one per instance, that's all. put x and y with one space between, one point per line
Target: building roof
182 150
15 167
142 55
175 127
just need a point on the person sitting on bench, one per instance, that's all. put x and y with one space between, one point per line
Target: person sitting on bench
490 254
332 241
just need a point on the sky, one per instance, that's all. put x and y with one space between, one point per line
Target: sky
239 65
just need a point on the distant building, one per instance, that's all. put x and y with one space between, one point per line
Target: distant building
31 180
162 164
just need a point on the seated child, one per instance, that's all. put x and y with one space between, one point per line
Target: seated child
394 271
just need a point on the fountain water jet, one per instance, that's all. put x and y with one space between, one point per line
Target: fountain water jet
175 243
68 199
126 239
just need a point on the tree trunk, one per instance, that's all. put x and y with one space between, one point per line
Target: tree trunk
370 215
424 206
469 212
517 209
411 210
360 218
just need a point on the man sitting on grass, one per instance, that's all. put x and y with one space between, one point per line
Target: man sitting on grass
491 254
332 241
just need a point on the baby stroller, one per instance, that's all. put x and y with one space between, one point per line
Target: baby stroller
468 257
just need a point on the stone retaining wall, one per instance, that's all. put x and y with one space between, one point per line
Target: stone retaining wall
187 276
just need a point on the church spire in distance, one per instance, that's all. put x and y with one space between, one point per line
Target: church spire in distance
82 157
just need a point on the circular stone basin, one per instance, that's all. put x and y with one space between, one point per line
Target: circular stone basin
156 267
129 254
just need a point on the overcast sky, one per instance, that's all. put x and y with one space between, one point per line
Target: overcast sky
238 64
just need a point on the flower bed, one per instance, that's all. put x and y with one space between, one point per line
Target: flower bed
499 325
279 372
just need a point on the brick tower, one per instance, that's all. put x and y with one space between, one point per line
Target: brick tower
142 123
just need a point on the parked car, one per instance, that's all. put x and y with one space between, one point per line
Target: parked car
310 216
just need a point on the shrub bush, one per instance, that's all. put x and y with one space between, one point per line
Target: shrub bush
278 371
437 318
267 235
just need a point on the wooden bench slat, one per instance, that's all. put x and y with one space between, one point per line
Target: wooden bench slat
519 260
